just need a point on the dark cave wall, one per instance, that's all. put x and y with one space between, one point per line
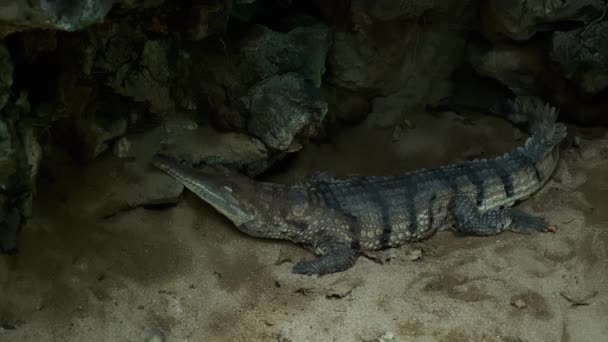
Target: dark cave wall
267 75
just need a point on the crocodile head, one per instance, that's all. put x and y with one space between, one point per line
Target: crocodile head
242 200
228 195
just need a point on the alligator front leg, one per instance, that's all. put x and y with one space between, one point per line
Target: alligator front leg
337 256
469 220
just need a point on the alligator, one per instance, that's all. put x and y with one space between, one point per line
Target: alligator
340 218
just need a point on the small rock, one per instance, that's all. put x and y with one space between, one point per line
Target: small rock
519 303
387 337
155 336
381 257
281 338
342 288
95 135
283 258
415 254
517 67
121 148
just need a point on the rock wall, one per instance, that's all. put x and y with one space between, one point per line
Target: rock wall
553 49
244 83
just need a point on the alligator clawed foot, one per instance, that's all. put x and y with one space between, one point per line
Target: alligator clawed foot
309 267
525 223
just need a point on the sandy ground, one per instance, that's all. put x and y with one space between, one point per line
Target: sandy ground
183 273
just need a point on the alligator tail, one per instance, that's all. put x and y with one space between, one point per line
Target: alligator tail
541 121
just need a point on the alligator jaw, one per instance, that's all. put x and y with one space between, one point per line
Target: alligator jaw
208 187
222 200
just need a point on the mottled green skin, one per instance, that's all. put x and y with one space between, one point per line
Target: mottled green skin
339 218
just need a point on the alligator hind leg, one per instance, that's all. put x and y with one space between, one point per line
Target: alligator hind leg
337 257
469 220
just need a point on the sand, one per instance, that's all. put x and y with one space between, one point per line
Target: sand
184 273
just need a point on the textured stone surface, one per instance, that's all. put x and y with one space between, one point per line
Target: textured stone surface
402 49
146 80
143 3
583 56
6 75
208 18
70 15
519 67
389 10
521 19
345 105
20 156
303 50
111 186
198 144
380 55
243 88
12 193
283 107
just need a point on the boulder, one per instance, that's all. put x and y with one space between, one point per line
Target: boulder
583 56
201 144
283 107
143 74
517 66
519 20
405 50
302 50
68 15
268 86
